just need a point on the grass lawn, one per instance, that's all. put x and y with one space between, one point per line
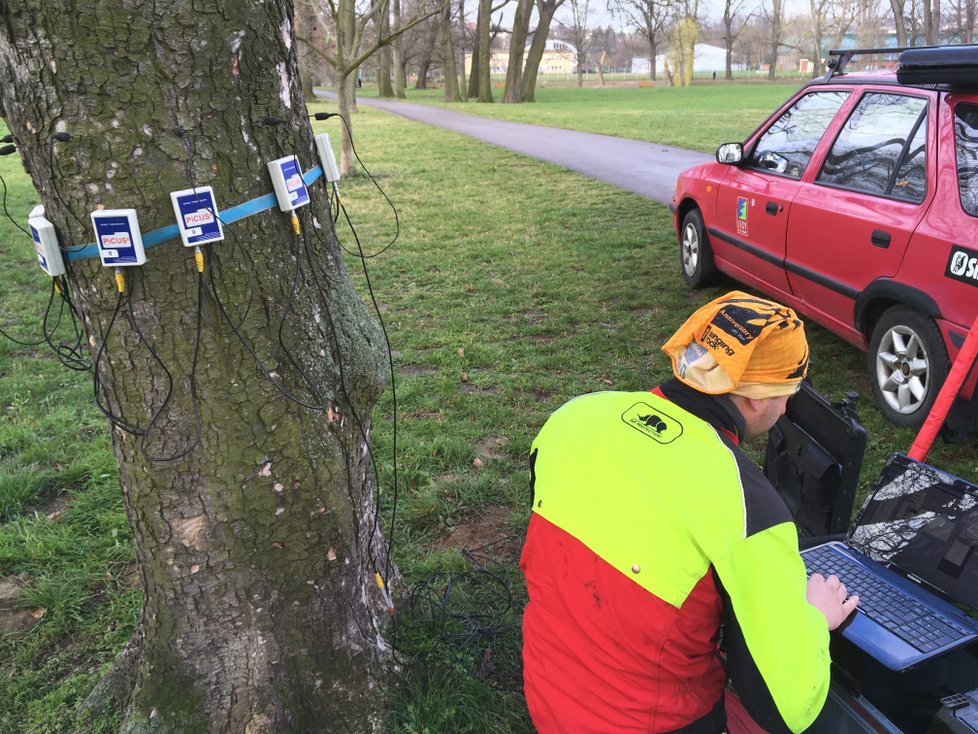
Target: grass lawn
697 117
512 287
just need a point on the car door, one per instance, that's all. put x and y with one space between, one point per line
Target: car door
852 224
754 200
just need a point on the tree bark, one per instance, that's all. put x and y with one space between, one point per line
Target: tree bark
899 22
384 86
448 53
400 73
257 546
513 93
484 78
545 11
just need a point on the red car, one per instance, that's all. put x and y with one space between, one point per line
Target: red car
856 203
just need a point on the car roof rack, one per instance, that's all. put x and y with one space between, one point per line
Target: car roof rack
938 66
842 57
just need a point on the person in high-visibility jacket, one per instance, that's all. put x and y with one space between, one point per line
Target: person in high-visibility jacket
659 560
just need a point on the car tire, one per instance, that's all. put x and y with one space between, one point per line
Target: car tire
695 254
907 365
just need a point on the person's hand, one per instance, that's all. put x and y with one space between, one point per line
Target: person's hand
829 596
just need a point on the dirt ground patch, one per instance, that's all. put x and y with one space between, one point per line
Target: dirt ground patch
13 618
486 531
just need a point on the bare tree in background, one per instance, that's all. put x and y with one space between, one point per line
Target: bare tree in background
397 54
900 20
448 56
964 14
837 15
932 21
734 21
349 49
650 18
775 17
871 18
428 34
513 93
580 35
545 16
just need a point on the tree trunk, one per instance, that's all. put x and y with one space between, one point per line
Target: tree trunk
932 21
728 41
473 91
513 93
462 83
545 11
484 78
427 54
346 106
384 86
257 546
448 53
400 74
899 22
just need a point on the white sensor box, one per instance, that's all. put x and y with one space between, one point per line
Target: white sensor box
46 245
326 157
290 188
197 217
117 235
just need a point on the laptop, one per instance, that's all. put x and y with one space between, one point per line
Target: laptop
912 557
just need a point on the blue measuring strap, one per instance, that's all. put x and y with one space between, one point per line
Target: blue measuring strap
172 231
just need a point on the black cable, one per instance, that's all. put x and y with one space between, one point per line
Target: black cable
397 221
474 614
7 212
390 361
198 423
69 355
114 419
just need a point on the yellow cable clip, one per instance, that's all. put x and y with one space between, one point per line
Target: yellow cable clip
57 286
120 280
199 257
295 224
383 590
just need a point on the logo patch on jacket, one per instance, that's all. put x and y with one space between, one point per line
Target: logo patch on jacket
963 265
655 424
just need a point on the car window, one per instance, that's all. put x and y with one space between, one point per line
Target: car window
966 143
788 144
882 148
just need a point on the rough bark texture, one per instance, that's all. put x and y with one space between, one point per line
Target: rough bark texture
257 550
545 12
384 56
484 51
513 93
448 54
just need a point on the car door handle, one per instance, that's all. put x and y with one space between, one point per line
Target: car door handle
880 238
773 208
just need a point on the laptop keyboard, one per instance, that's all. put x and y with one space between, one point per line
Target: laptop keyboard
886 605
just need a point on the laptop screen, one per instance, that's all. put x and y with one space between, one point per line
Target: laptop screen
924 522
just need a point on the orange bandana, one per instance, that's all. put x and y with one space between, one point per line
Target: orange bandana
741 344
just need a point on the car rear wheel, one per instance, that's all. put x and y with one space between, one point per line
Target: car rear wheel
908 363
695 253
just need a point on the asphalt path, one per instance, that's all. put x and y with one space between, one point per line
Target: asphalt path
648 169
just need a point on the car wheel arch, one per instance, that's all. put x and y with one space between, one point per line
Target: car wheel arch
884 293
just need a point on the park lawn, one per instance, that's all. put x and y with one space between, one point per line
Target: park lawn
513 285
698 117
